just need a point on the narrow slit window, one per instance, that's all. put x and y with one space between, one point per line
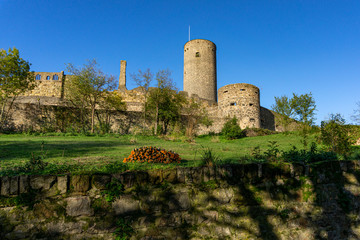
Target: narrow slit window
47 77
55 77
252 119
38 77
242 89
197 54
233 104
251 104
225 91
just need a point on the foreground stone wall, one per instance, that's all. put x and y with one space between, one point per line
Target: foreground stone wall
229 202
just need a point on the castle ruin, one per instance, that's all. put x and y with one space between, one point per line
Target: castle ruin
240 100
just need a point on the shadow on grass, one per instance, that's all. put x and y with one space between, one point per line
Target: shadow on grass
15 150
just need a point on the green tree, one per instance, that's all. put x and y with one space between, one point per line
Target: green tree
164 103
304 107
87 89
283 106
143 80
335 134
15 79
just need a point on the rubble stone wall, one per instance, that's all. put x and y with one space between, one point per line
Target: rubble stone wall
254 201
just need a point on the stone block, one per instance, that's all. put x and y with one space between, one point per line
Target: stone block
24 184
79 206
5 186
196 175
238 171
80 183
251 171
169 175
208 173
142 178
183 200
223 195
62 184
44 210
297 170
14 185
127 179
155 176
188 175
42 182
100 181
224 173
125 205
180 175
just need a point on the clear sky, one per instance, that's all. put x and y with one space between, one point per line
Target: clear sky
281 46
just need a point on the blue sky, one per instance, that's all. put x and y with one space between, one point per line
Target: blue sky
283 47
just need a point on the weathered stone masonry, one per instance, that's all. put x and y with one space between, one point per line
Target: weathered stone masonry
255 201
241 100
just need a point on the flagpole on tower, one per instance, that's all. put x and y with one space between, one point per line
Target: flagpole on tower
189 32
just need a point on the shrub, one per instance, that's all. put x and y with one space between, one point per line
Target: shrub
308 156
152 155
208 158
232 130
335 135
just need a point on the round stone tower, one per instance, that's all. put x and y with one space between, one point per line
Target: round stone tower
200 69
241 100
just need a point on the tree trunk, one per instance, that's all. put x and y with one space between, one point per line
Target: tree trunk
156 119
144 115
92 119
2 113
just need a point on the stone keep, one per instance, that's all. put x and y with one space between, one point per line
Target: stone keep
200 69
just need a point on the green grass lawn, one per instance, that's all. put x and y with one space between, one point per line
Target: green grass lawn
94 152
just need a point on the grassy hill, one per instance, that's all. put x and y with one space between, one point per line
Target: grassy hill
105 153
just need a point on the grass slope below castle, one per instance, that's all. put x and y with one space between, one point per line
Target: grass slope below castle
86 154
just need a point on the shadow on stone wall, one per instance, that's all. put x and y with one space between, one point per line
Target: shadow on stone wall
227 202
267 118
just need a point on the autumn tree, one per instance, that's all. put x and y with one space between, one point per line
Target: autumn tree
87 89
15 79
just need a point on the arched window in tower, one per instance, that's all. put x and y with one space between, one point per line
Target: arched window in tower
197 54
47 77
38 77
55 77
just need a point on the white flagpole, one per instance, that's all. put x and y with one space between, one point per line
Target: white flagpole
189 32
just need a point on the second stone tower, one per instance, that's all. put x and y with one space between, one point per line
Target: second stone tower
200 69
